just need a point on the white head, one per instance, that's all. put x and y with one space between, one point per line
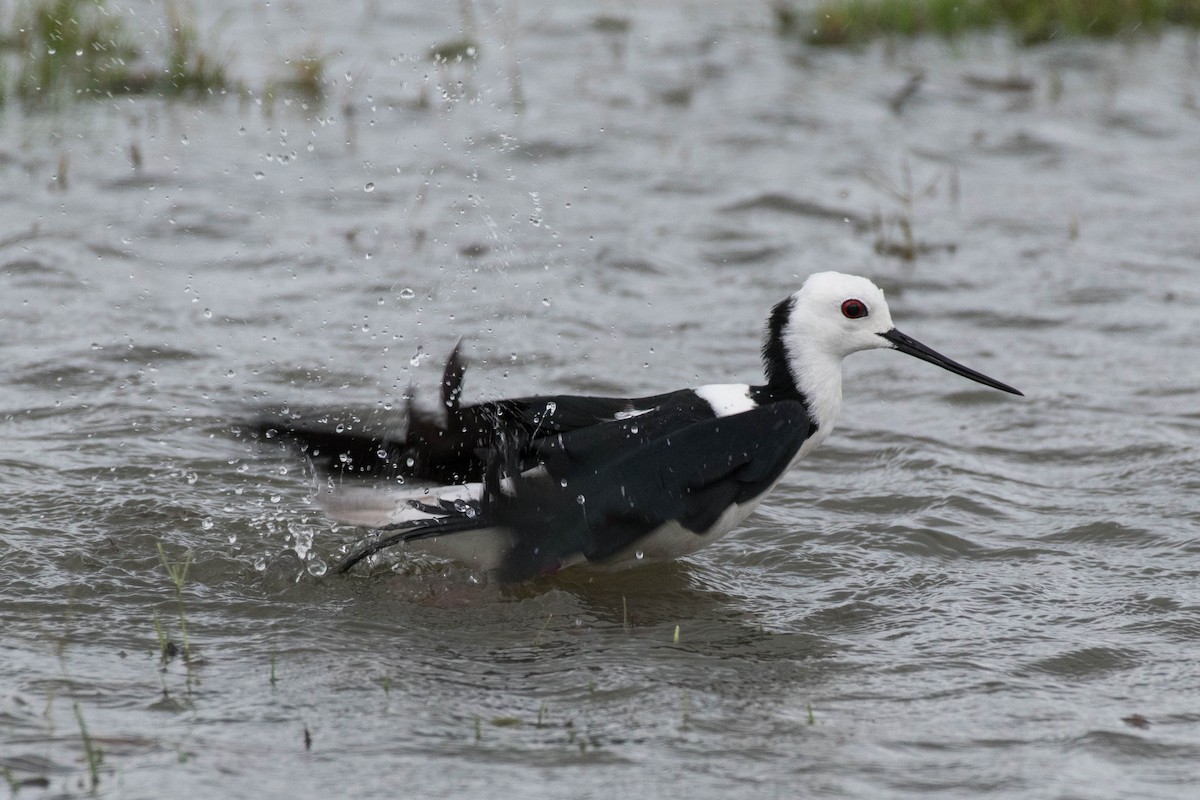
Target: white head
839 314
831 316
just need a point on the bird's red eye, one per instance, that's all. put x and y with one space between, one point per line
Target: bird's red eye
854 309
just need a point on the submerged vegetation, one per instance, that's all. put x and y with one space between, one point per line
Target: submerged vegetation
836 22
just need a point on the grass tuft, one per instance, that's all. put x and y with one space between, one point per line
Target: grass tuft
304 79
190 70
177 571
841 22
91 751
69 49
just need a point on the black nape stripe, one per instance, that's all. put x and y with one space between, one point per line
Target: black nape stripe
774 351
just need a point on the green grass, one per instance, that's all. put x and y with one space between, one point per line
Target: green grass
304 79
190 70
177 571
839 22
92 753
67 49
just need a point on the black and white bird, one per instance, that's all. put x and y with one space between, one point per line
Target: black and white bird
530 486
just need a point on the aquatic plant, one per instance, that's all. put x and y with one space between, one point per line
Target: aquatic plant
189 69
68 49
91 751
177 572
304 79
905 195
839 22
542 630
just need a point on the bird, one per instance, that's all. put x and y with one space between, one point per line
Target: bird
526 487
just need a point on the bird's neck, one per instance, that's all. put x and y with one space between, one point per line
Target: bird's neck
819 380
794 368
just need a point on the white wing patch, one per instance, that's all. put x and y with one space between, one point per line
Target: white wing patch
726 398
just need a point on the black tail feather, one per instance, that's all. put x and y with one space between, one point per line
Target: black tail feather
407 532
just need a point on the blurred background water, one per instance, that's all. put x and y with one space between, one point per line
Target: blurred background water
961 594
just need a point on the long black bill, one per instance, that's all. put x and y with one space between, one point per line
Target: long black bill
907 344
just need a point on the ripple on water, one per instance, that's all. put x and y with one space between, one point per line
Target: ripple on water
1106 532
1087 662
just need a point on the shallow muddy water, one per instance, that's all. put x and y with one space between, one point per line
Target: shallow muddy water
962 594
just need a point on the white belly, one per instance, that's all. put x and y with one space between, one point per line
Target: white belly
671 541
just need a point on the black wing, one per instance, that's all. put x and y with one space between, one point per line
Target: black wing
600 494
452 444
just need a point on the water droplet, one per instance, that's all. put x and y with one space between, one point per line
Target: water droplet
370 187
579 500
639 555
317 568
208 313
233 538
207 523
192 477
407 294
184 139
563 483
634 430
258 176
546 302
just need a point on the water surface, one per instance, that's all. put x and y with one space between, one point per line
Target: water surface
961 594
